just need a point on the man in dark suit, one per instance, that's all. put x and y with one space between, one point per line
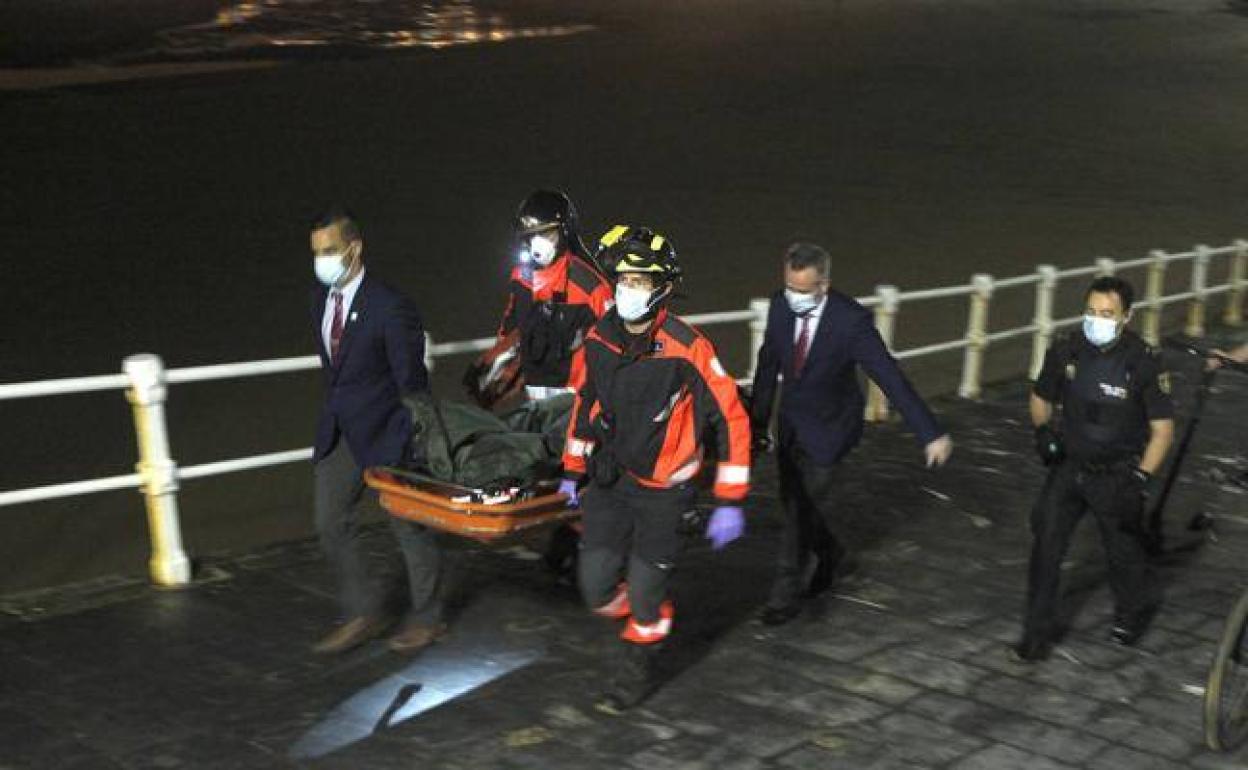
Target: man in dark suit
817 338
372 348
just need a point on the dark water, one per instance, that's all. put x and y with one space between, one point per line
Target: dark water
919 141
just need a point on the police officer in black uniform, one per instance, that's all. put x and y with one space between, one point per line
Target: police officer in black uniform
1117 424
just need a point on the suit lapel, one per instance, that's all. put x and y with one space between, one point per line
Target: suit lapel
320 295
787 327
355 317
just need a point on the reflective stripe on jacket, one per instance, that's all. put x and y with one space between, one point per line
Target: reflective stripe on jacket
647 401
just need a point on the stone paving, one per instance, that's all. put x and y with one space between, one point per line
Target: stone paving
903 666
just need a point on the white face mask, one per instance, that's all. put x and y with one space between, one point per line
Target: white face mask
1100 331
542 249
329 268
632 304
802 303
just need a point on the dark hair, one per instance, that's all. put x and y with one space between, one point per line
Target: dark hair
800 256
343 219
1109 283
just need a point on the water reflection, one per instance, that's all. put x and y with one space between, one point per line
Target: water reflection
267 26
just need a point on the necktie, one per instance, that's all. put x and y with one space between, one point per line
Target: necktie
802 347
335 328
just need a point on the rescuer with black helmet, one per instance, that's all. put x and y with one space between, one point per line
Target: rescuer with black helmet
554 297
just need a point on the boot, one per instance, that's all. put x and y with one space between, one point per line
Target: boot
633 680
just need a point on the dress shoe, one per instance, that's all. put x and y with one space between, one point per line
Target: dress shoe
831 568
778 616
1129 630
1125 636
352 634
1028 651
414 638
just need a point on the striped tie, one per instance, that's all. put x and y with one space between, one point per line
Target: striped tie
803 346
335 328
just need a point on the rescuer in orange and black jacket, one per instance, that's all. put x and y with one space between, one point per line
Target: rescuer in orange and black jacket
652 389
555 296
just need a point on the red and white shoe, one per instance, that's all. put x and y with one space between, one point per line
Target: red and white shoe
619 607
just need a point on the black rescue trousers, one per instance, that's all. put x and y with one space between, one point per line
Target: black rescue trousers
1071 489
629 523
813 524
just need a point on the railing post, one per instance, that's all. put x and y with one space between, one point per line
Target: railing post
168 566
429 352
1043 320
760 306
1233 315
1196 308
976 336
1153 293
885 323
1104 266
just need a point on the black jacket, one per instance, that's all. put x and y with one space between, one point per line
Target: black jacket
821 411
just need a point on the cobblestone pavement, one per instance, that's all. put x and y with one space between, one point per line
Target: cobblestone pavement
902 667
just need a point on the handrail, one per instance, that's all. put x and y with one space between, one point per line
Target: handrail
65 386
243 369
70 489
146 380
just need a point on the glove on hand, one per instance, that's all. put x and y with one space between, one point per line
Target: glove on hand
1049 445
761 443
727 524
472 380
568 487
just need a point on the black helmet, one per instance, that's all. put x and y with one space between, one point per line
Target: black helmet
543 210
627 249
546 209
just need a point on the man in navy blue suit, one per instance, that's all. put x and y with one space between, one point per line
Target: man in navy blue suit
816 338
372 348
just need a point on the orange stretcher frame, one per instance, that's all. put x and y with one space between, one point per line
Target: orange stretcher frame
433 506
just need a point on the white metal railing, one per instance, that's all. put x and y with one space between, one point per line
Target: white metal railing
146 381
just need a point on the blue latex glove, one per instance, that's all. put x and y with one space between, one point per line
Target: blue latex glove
727 524
568 487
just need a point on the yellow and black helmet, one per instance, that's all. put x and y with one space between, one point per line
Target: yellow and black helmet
628 249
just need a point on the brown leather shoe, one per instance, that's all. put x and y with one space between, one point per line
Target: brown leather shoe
351 634
414 638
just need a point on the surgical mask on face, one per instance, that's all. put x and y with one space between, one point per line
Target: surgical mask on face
1100 331
802 303
632 304
542 249
329 268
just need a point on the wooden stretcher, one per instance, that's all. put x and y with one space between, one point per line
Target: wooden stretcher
445 507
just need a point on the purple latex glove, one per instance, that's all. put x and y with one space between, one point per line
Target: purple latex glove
568 487
727 524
